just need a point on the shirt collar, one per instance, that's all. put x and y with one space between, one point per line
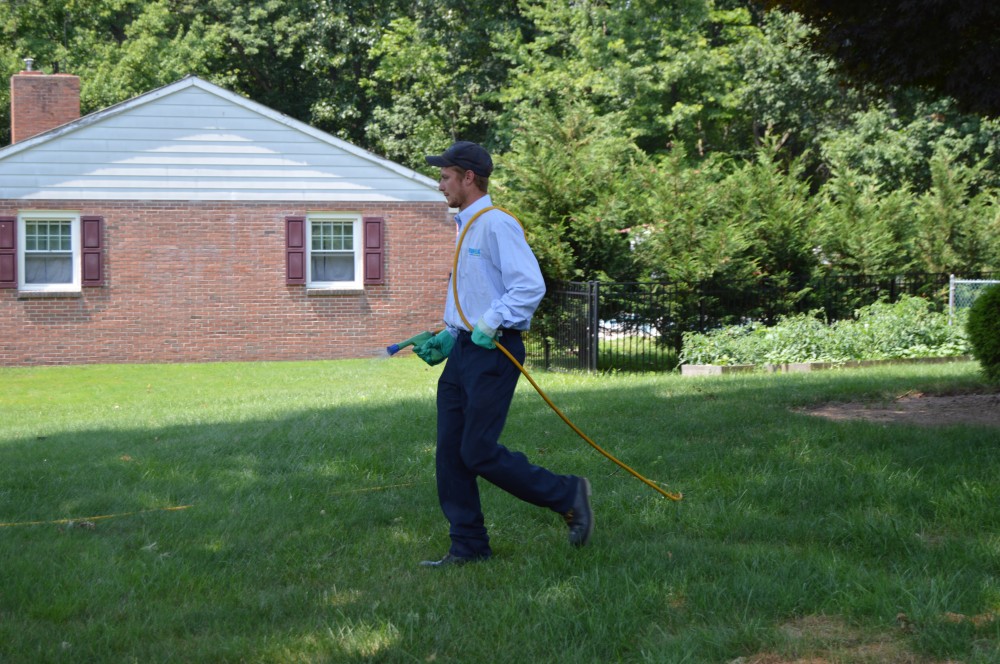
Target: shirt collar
469 212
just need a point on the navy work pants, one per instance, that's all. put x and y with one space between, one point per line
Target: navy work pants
474 394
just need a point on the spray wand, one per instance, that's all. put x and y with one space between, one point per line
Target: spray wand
412 341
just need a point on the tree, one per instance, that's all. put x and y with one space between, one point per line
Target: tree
257 48
569 177
956 222
790 91
667 68
770 201
951 47
685 234
436 79
726 221
342 61
861 228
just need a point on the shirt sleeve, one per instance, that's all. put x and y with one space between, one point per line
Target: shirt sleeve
523 284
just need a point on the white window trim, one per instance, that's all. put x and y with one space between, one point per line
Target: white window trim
358 283
54 215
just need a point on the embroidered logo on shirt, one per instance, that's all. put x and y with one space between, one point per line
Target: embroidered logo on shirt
476 253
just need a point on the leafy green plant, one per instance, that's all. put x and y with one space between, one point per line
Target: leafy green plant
907 328
983 329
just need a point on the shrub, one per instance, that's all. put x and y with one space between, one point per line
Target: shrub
983 329
908 328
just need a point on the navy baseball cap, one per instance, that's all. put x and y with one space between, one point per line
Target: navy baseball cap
464 154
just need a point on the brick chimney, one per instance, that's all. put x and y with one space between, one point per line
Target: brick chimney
39 102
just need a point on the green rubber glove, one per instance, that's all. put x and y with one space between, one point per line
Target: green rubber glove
484 335
436 349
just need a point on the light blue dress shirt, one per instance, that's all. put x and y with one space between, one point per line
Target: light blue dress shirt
498 275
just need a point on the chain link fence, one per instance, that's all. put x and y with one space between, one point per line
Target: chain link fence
962 293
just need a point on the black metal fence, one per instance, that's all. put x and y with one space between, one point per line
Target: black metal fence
638 326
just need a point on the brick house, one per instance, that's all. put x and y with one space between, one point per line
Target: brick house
190 224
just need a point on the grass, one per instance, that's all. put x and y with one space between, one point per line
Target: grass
635 353
309 498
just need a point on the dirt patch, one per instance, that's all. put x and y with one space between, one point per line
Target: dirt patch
919 409
829 640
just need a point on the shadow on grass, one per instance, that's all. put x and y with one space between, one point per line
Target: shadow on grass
304 530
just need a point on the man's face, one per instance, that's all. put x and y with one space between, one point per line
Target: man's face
455 185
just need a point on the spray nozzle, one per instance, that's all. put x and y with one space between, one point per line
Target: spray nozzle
412 341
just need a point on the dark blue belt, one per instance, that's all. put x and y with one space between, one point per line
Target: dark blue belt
504 331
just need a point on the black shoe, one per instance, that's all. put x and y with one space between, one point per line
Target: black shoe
453 561
580 518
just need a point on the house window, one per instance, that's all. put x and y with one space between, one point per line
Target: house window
335 259
49 251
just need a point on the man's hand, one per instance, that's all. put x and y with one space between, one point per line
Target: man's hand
484 335
436 349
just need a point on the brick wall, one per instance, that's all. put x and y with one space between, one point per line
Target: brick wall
39 102
197 282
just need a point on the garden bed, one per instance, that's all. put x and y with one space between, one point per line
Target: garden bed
918 409
798 367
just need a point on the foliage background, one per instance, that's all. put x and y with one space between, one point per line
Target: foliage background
637 139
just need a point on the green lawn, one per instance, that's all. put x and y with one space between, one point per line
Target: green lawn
308 499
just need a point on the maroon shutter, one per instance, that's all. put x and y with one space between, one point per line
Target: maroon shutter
8 252
295 250
373 227
90 234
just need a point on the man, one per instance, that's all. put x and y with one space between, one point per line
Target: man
499 287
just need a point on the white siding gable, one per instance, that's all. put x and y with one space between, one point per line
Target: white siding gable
192 140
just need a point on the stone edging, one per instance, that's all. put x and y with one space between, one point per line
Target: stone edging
798 367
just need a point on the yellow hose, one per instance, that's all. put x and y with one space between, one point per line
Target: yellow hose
541 393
